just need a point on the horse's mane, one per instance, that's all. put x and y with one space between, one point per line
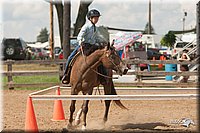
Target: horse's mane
88 49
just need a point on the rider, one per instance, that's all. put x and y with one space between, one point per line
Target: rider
86 37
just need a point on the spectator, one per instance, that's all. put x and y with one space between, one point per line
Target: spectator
125 55
184 67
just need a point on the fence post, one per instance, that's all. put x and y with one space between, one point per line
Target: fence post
10 78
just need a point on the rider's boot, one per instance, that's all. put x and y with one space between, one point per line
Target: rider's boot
66 77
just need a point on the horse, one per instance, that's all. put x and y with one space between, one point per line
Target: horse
84 77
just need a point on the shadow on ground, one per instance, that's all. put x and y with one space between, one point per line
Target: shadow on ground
129 127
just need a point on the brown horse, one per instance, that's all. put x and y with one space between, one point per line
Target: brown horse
84 77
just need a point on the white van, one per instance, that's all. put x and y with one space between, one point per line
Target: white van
187 42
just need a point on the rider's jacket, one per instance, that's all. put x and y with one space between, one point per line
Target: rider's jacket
87 34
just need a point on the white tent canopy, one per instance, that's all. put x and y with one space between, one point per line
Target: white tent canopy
38 44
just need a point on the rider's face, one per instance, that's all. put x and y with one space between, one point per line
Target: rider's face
94 20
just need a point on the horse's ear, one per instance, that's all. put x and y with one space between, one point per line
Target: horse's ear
113 42
108 46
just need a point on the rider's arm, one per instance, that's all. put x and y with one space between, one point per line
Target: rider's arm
81 35
188 58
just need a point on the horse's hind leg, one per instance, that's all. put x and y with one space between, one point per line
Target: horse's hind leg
77 119
107 91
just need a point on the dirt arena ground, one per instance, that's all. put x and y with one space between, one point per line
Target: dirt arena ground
144 116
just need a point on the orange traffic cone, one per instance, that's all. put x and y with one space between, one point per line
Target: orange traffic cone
58 112
30 122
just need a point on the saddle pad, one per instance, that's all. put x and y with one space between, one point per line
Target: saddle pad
74 58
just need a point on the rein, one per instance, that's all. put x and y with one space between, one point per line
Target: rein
97 71
117 66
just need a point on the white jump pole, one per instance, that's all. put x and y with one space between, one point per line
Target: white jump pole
115 97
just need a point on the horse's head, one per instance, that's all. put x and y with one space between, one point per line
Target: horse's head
112 60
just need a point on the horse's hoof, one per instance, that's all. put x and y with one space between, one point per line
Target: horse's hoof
69 126
105 120
65 130
83 128
77 122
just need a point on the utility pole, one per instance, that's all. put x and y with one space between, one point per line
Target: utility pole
185 14
51 36
149 26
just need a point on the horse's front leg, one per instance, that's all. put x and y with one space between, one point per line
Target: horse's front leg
72 109
107 104
85 110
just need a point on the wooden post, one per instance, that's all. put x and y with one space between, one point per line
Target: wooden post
10 79
51 36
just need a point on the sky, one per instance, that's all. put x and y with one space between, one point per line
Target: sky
25 19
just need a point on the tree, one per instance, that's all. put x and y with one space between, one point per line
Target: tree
146 29
66 28
168 40
80 20
43 36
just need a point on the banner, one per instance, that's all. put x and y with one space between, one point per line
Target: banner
124 38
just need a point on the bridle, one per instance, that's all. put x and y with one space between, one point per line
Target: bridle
109 58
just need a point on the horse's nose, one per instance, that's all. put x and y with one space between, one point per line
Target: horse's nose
125 71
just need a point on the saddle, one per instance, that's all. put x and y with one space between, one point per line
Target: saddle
66 78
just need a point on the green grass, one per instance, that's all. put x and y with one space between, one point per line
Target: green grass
33 79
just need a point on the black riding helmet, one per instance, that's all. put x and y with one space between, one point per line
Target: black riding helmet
93 13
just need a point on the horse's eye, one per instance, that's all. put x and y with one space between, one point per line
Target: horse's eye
113 57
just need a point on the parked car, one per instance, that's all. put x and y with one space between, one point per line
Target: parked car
58 52
157 55
42 54
15 49
150 55
188 42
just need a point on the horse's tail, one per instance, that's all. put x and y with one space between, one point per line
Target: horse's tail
117 102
